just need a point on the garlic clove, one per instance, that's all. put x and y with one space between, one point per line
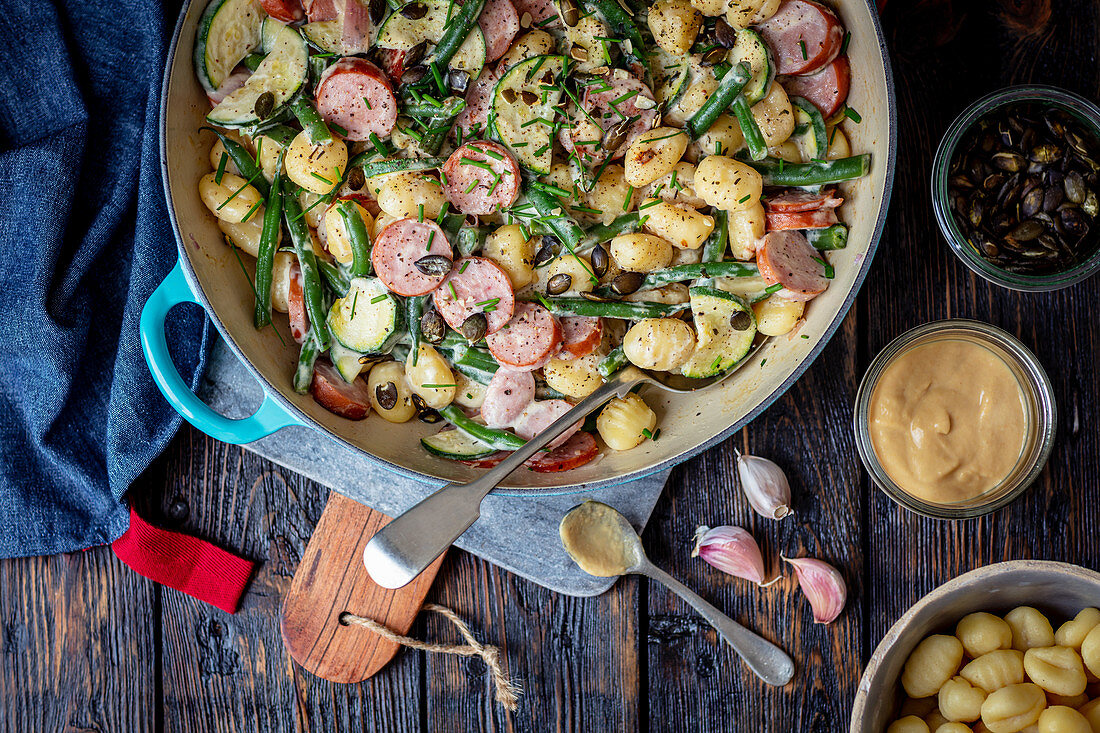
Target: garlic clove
732 550
765 486
822 585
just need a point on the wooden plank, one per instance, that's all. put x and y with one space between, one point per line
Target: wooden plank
692 676
992 45
78 644
576 658
232 673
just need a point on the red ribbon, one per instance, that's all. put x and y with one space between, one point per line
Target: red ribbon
185 563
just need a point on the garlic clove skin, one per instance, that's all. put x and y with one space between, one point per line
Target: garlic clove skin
732 550
823 586
765 486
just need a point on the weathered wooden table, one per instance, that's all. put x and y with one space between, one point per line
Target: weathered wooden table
88 645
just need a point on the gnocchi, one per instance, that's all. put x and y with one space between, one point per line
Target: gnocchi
776 316
610 196
384 381
1073 632
659 343
280 281
683 226
411 195
641 252
316 168
746 228
678 186
653 154
775 116
1090 651
468 393
996 669
623 423
1062 719
582 278
1030 628
981 633
1013 708
721 138
244 236
934 661
234 200
674 24
513 252
961 701
727 183
574 378
1057 669
908 724
430 377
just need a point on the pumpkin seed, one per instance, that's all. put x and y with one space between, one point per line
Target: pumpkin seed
559 283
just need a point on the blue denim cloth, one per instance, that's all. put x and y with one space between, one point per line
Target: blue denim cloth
86 238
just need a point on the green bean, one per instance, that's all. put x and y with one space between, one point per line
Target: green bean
311 281
311 122
834 237
475 363
283 135
244 161
450 108
621 22
498 439
336 277
754 138
681 273
454 34
817 125
414 310
470 239
612 363
781 173
265 256
716 243
627 310
398 165
311 349
553 214
624 224
729 87
358 238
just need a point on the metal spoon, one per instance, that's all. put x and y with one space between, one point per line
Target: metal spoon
406 546
602 543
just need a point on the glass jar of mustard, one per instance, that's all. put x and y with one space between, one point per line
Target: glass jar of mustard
954 419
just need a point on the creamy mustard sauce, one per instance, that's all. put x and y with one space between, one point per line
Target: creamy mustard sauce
948 420
594 537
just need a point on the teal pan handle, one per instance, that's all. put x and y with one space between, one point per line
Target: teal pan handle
270 416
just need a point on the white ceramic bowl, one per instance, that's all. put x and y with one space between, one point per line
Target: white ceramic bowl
689 424
1056 588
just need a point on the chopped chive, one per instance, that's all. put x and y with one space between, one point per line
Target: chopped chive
654 202
744 198
366 102
436 386
354 302
454 293
773 288
465 264
319 177
829 272
844 45
420 213
852 115
492 153
234 194
252 211
717 361
342 132
802 45
431 237
472 186
629 195
647 433
375 299
491 302
520 145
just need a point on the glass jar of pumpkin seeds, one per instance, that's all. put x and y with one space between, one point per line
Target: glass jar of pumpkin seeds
1015 183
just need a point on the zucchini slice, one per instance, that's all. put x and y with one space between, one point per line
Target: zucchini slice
345 360
590 34
368 319
750 48
515 122
403 34
725 328
671 76
811 138
323 35
228 31
282 73
456 445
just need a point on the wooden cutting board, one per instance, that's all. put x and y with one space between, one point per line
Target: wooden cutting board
331 580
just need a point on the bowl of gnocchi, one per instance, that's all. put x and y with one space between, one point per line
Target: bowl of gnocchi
429 228
1010 647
